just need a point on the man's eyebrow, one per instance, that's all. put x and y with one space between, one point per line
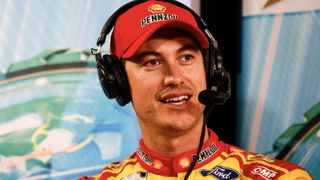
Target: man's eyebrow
147 53
189 47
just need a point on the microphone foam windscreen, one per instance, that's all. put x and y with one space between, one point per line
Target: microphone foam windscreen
206 97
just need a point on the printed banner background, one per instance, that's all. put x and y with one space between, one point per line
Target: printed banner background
55 122
279 81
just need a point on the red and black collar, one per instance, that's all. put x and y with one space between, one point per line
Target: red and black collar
170 166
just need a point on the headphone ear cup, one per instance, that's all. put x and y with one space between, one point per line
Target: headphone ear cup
113 79
224 88
220 79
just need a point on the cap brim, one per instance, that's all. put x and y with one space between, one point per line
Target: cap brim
196 32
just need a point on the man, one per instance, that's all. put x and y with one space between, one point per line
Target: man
162 49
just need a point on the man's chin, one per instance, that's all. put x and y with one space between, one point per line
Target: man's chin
180 123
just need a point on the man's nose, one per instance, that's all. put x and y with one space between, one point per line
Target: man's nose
173 74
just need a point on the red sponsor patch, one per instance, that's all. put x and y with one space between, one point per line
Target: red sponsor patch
258 171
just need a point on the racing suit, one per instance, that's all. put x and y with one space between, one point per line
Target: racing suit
217 160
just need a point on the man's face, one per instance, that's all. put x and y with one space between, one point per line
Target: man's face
165 77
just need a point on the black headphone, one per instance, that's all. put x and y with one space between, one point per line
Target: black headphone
113 78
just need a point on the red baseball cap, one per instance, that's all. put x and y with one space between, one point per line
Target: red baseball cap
136 25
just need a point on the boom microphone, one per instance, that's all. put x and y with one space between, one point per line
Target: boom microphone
207 97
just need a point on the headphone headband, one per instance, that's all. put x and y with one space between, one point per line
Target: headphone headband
107 27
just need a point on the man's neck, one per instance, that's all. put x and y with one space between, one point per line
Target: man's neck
172 143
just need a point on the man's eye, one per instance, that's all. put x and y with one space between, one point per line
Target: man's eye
152 63
187 57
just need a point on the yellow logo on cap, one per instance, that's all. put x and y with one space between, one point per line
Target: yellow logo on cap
155 8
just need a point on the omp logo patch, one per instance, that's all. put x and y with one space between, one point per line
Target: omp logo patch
221 173
264 172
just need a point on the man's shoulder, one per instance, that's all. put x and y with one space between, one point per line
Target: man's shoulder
113 170
255 164
251 159
120 165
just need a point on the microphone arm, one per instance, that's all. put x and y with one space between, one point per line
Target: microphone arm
205 97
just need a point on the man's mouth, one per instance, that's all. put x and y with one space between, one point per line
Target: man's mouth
177 100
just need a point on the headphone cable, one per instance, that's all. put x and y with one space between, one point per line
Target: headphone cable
194 161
